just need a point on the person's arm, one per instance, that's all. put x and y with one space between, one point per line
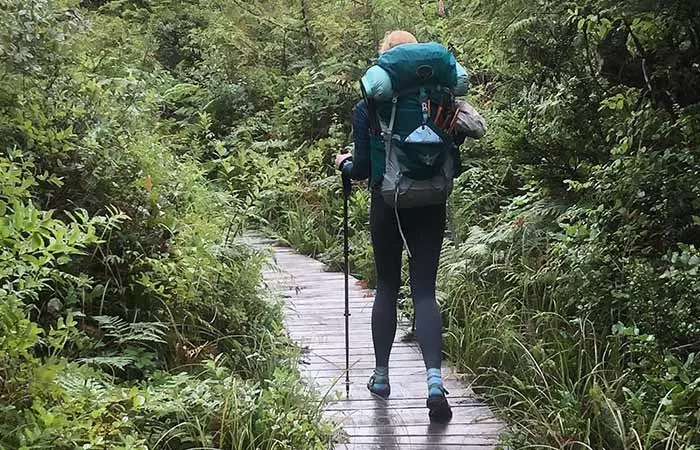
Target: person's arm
358 168
457 155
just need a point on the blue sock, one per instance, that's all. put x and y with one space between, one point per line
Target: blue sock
381 375
435 383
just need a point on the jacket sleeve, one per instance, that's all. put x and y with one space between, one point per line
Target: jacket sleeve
457 154
359 167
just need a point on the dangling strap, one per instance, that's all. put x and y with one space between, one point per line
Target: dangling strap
389 136
398 221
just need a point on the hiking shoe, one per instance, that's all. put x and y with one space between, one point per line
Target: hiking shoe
381 389
439 410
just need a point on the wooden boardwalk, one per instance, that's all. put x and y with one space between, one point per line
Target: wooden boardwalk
314 307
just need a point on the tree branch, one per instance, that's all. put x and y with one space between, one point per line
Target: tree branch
263 17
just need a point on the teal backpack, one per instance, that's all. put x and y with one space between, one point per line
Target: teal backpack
412 151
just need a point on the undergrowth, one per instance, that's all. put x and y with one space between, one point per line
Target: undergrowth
139 138
130 317
568 280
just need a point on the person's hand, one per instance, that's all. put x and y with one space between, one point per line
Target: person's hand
339 159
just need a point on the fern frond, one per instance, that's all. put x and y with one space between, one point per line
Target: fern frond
123 332
118 362
112 326
521 25
77 384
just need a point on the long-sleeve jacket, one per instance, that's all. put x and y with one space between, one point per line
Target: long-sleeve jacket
359 167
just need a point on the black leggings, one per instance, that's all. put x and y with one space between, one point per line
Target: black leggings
424 229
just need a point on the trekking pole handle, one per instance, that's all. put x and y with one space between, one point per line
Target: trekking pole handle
347 186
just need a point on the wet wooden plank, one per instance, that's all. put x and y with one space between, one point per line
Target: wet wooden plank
429 446
454 432
299 323
463 415
338 354
405 376
331 342
314 318
314 306
359 350
328 306
358 335
401 404
326 299
331 313
297 314
356 347
404 388
325 367
395 439
335 389
399 368
337 318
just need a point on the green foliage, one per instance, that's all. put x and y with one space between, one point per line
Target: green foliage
140 138
569 283
179 410
129 316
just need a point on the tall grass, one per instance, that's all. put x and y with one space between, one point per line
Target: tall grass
559 380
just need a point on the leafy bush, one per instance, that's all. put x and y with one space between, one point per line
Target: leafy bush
135 133
129 316
568 283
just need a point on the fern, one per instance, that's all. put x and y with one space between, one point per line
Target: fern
522 25
270 145
125 333
79 385
117 362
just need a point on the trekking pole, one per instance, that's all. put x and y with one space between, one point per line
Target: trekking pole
347 190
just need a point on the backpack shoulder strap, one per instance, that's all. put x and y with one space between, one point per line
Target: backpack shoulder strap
373 117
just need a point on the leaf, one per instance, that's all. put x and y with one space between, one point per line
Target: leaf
131 333
120 362
37 241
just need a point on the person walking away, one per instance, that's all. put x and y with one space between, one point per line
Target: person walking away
406 212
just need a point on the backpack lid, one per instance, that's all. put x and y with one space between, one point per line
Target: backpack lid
414 65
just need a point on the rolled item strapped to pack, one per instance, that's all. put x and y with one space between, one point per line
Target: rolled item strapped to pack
404 72
378 85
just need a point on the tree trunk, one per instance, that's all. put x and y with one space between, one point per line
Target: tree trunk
307 29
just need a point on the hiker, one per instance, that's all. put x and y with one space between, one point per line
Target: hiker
410 216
